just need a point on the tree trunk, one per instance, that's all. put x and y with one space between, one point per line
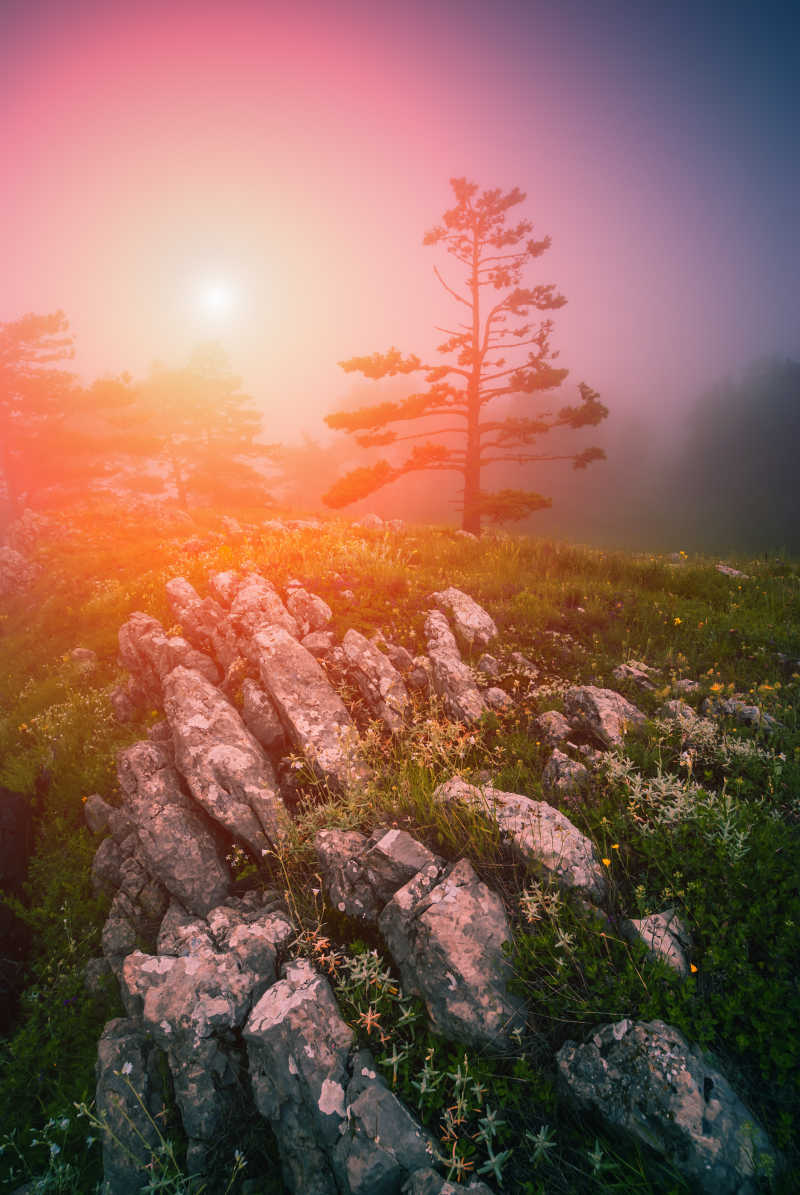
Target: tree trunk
471 516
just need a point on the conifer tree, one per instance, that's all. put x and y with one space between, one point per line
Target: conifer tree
483 363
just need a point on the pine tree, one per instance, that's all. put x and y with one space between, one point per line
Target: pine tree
484 366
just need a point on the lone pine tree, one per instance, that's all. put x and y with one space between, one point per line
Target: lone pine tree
482 350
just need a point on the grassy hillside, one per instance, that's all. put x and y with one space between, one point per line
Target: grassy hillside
711 828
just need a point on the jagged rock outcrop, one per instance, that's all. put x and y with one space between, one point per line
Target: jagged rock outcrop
314 716
666 937
741 711
645 1080
603 714
309 611
637 672
128 1100
203 621
553 727
256 605
538 833
150 655
446 935
176 843
474 628
378 681
222 763
452 679
564 777
361 874
261 718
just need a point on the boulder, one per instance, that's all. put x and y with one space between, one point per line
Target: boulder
447 944
313 714
665 936
261 718
686 685
379 683
728 571
223 586
319 643
362 874
498 700
553 727
310 612
643 1079
177 844
741 712
150 654
474 628
678 711
128 1100
564 777
419 678
257 605
489 666
203 621
637 673
224 767
427 1182
601 713
298 1048
538 834
399 657
96 813
452 679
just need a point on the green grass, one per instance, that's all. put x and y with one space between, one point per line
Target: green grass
719 840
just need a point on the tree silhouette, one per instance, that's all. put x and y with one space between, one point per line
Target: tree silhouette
34 399
485 366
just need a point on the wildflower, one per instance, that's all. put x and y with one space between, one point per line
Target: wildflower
676 622
370 1019
615 846
127 1067
717 688
607 862
692 968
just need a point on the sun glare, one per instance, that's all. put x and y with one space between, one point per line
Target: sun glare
217 298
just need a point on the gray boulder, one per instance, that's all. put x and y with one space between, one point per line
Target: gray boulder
427 1182
447 944
741 712
452 679
298 1048
176 843
313 714
362 874
475 629
686 685
261 718
223 586
203 620
128 1100
498 700
539 834
553 727
150 654
665 936
564 777
379 683
257 605
602 713
645 1080
309 611
637 673
224 767
96 813
679 711
319 643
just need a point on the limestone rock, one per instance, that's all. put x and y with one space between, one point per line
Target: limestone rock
452 679
379 683
256 606
665 936
176 843
553 727
448 949
203 620
223 586
298 1048
644 1079
601 713
419 678
95 812
686 685
637 672
489 665
362 874
741 712
498 700
319 643
224 767
678 711
473 626
564 777
150 654
128 1100
310 612
261 718
728 571
313 714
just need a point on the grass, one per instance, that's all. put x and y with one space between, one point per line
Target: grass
706 822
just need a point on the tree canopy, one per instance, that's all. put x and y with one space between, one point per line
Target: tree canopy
500 349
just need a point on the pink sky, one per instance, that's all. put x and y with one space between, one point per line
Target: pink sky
297 153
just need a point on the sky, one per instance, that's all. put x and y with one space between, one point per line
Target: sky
263 174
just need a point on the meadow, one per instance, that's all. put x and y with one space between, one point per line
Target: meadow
708 825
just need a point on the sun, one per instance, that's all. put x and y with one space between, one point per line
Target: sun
216 298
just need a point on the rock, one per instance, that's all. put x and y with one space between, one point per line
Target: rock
519 663
379 683
644 1079
128 1100
448 948
498 700
461 534
16 572
203 621
602 713
420 676
223 586
275 527
741 712
319 643
97 976
261 718
313 714
382 1142
563 777
371 522
553 727
298 1048
309 611
538 834
686 686
489 666
452 679
150 655
665 936
176 843
96 812
678 711
637 673
126 702
362 874
727 571
473 626
85 658
257 606
105 873
224 767
427 1182
399 657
